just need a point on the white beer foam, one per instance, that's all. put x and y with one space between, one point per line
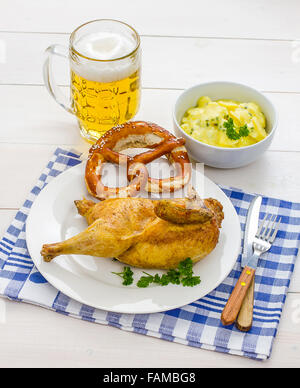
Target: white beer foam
105 46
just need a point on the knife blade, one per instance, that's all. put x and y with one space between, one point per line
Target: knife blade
251 229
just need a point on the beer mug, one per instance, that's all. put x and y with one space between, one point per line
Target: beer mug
105 64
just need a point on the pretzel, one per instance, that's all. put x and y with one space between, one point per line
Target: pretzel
138 134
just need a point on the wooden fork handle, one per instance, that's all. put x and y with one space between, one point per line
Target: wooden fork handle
237 296
245 317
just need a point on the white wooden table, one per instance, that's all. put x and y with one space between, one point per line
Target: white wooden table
184 42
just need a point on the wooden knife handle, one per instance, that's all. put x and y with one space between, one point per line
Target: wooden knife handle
245 317
237 296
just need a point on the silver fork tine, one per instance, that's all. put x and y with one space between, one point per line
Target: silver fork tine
266 228
261 225
267 235
275 231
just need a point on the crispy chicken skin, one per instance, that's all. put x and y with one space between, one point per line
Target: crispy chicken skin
144 233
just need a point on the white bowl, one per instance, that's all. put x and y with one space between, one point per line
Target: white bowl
224 157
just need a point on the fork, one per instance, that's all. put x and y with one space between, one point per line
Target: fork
263 241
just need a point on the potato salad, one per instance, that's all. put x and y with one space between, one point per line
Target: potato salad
225 123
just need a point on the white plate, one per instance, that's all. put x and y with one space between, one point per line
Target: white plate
89 280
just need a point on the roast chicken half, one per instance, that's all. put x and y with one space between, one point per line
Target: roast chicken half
144 233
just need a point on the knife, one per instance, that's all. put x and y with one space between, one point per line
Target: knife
244 319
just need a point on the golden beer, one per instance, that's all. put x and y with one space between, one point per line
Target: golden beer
105 62
101 105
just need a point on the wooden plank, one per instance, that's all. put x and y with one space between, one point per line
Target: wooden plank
20 168
275 174
85 344
169 62
31 116
40 120
252 19
6 217
295 282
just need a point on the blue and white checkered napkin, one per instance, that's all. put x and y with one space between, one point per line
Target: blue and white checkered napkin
197 324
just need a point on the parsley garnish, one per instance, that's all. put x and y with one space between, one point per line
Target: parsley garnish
244 131
146 280
231 131
126 275
185 267
190 281
183 274
173 276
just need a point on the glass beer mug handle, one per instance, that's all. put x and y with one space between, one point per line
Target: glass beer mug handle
49 79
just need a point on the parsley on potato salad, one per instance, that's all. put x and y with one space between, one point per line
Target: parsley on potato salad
225 123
